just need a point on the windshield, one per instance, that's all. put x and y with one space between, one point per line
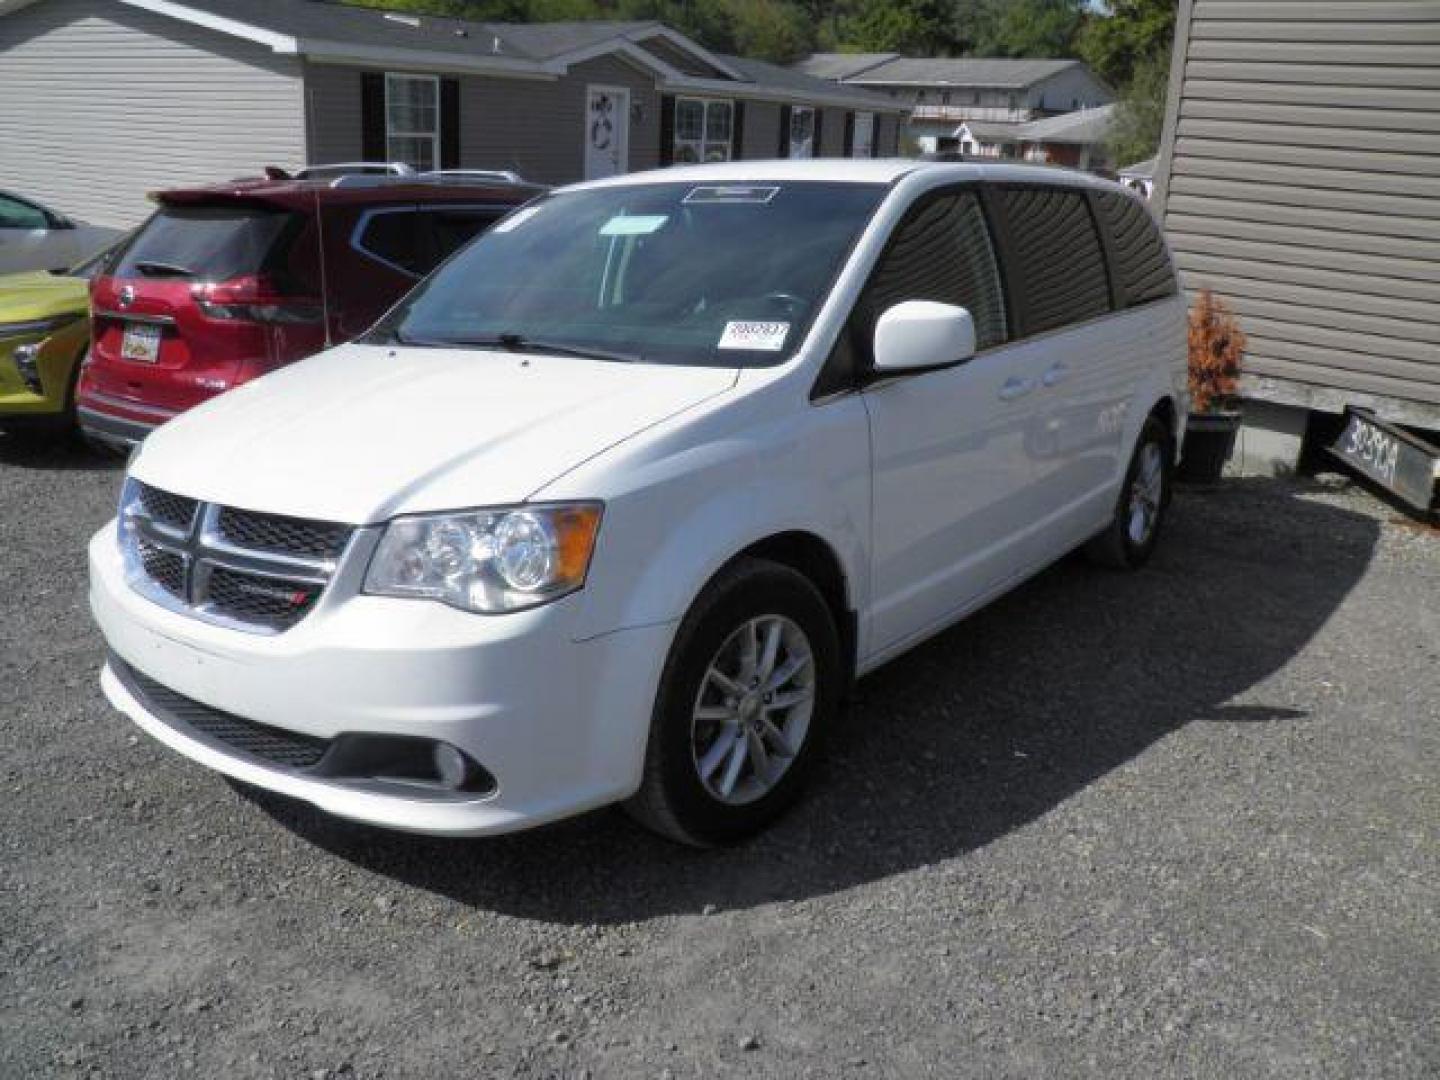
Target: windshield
702 274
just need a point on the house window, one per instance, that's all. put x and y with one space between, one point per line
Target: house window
412 120
862 136
802 132
703 130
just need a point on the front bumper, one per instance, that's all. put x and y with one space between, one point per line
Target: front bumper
560 724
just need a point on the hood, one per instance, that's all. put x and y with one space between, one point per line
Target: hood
361 433
41 295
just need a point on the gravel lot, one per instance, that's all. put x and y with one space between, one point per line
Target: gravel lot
1182 823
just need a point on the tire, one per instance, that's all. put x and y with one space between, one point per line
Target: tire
698 729
1125 544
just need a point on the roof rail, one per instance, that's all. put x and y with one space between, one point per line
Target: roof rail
354 168
460 176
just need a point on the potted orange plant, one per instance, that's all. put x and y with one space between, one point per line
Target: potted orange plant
1216 344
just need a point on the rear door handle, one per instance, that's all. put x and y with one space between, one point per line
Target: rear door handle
1015 387
1056 375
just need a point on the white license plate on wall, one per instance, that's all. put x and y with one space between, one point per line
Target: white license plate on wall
141 343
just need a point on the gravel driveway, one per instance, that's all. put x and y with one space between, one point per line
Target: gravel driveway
1182 823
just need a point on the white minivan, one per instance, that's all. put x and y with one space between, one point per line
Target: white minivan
615 505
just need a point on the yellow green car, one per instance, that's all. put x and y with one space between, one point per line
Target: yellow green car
44 334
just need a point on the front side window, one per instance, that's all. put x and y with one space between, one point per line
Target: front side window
703 130
412 120
802 132
718 275
862 137
942 252
1058 256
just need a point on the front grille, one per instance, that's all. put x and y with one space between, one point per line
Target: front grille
174 511
273 746
278 604
284 535
165 568
251 571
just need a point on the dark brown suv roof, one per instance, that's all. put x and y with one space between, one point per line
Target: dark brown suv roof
303 194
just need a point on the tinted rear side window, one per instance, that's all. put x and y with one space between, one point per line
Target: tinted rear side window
942 252
1141 264
209 243
1059 261
394 237
452 229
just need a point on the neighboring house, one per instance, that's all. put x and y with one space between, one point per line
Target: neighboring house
946 93
102 101
1075 140
1139 177
1299 178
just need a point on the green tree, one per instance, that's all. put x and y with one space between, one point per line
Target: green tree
1132 35
917 27
1028 28
1140 114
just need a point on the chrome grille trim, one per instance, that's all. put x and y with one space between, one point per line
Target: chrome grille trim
285 587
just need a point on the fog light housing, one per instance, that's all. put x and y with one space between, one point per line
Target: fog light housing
27 363
451 766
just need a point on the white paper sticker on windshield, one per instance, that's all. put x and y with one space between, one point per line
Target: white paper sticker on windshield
755 336
518 218
633 224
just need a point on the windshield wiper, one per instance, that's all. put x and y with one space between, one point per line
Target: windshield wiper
521 343
163 269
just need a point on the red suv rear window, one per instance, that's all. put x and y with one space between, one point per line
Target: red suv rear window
208 243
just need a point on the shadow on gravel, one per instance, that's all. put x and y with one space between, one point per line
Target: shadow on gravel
983 729
56 454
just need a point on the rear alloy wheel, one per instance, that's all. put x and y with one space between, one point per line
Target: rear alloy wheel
1130 538
752 681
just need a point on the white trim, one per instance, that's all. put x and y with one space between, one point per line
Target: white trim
703 140
279 43
680 41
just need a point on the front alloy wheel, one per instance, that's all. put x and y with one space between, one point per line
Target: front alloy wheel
752 681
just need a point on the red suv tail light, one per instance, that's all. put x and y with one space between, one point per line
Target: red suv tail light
255 298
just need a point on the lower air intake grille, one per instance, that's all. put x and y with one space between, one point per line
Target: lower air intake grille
272 746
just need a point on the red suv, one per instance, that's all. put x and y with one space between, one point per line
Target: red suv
225 283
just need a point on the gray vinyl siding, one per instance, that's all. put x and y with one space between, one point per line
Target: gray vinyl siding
101 103
1300 179
535 127
832 131
887 127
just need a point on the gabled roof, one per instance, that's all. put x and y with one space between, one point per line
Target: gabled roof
325 30
1002 74
1081 128
842 65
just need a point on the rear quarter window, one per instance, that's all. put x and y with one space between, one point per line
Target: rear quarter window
1058 258
1142 266
394 238
209 243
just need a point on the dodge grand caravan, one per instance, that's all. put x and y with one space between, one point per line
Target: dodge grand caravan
613 506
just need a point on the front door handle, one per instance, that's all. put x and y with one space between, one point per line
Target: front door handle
1015 387
1056 375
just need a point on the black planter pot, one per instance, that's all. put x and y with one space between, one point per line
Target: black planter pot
1209 442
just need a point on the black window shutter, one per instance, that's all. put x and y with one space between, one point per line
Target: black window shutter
372 116
849 134
737 131
667 130
449 123
877 125
819 143
784 148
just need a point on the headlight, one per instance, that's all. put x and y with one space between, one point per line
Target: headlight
487 560
39 326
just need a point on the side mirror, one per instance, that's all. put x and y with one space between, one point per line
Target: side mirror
921 335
